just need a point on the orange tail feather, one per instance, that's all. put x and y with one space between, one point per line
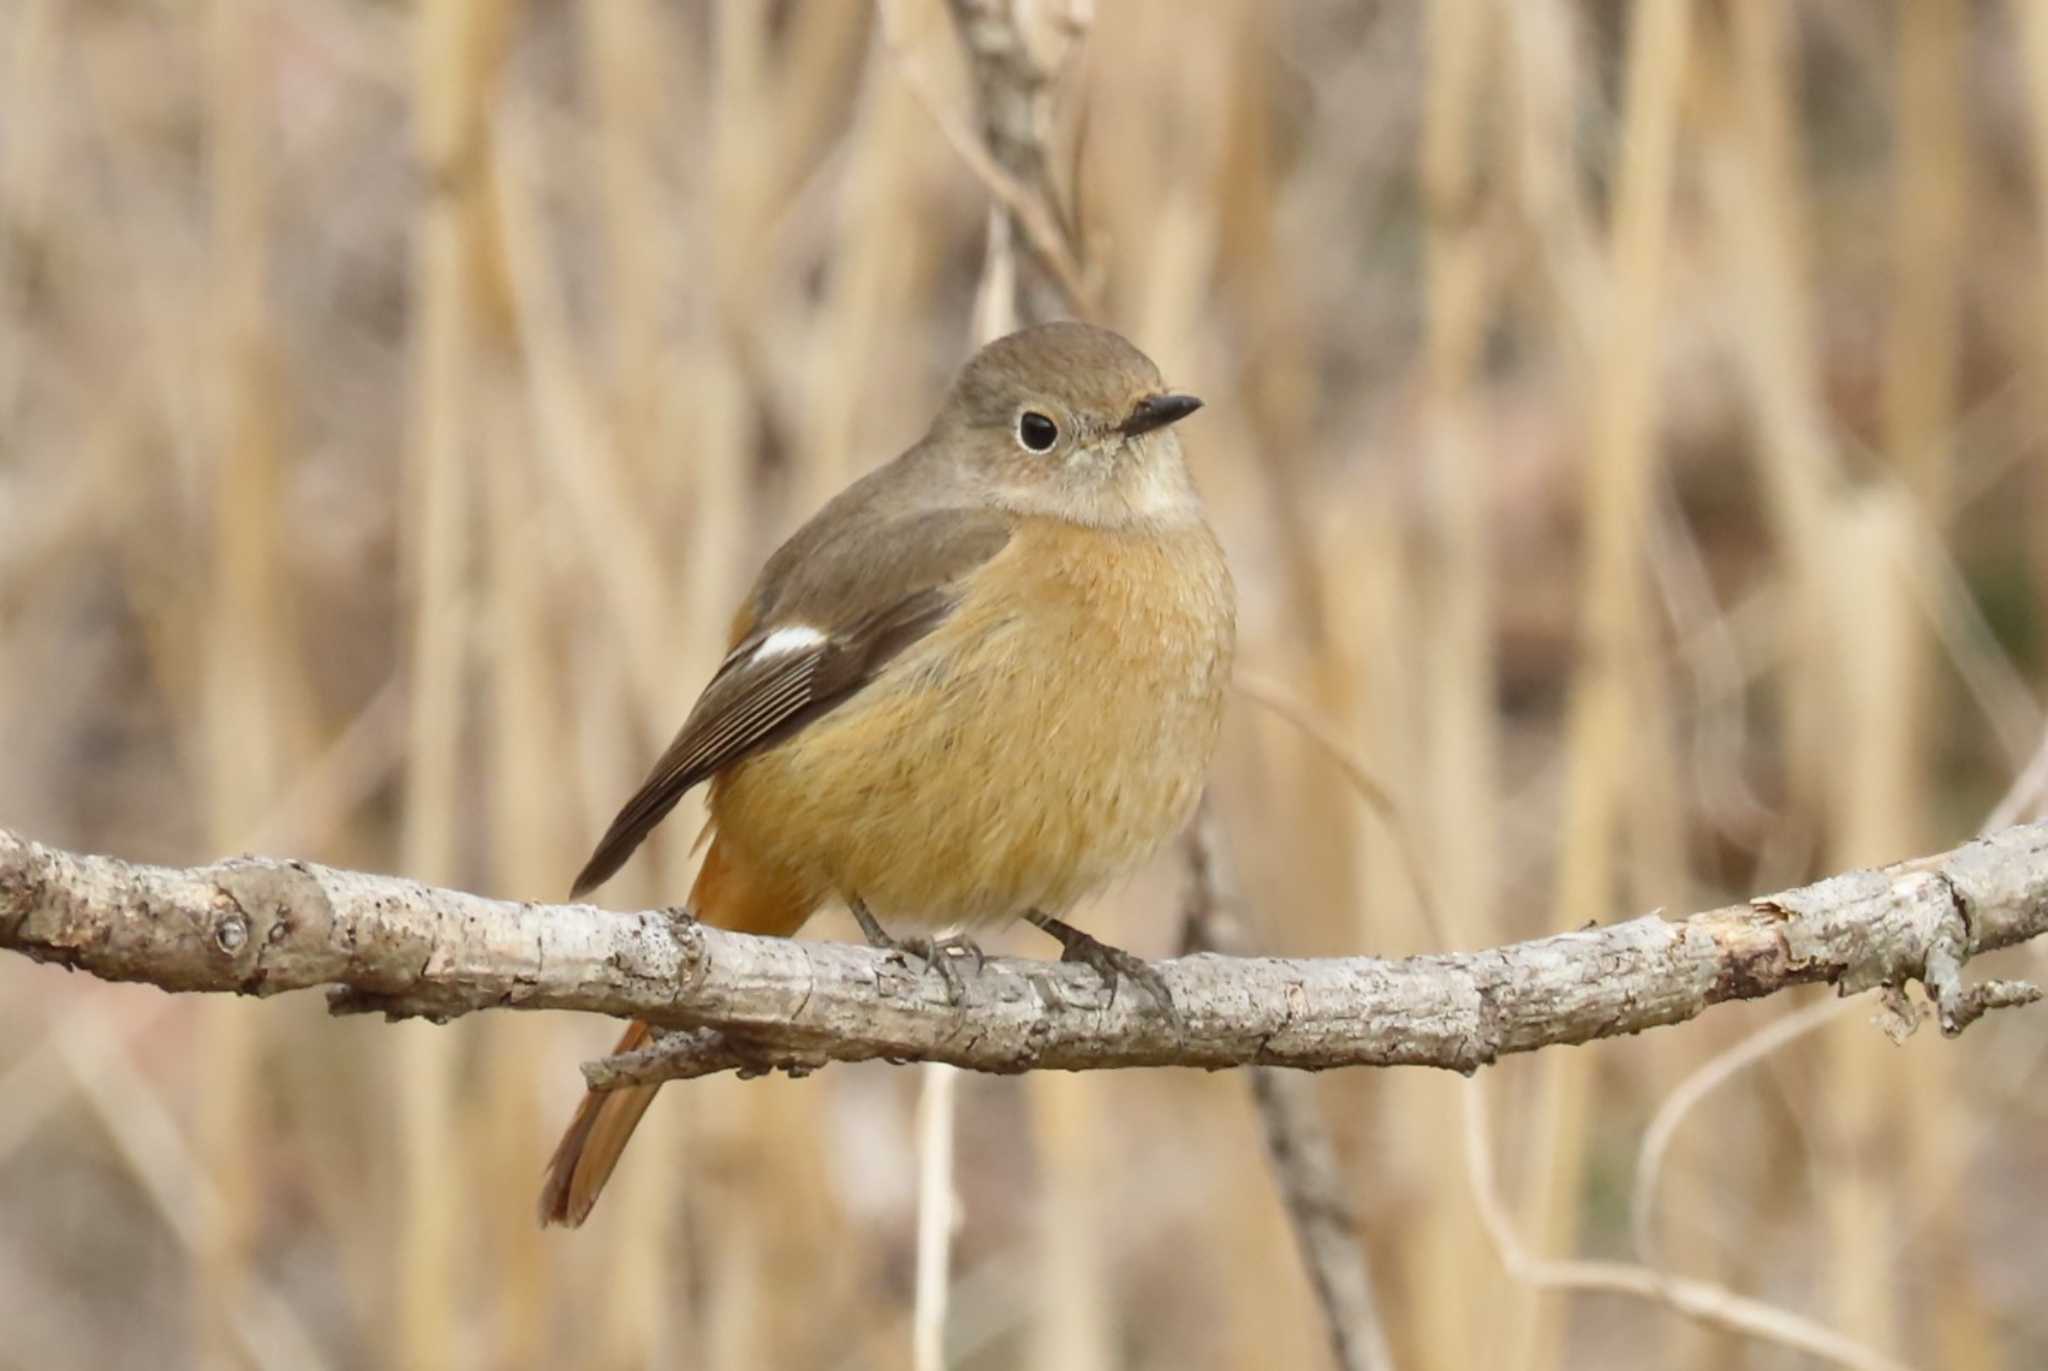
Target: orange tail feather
591 1145
727 894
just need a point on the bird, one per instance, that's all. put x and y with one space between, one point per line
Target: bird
984 681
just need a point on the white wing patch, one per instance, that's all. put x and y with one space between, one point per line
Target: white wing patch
794 638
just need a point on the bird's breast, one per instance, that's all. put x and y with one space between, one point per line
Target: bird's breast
1049 736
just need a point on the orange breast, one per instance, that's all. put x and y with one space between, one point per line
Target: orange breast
1048 737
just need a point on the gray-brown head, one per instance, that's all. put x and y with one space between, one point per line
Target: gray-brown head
1070 420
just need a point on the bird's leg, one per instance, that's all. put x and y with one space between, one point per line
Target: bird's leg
870 929
936 953
1109 962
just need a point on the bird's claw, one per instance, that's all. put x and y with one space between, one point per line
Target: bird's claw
937 954
1110 963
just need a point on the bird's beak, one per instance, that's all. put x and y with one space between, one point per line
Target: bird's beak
1157 411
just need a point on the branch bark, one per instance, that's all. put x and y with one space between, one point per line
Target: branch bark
265 925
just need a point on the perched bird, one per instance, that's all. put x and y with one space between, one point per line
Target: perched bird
980 683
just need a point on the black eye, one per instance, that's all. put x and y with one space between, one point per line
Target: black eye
1037 432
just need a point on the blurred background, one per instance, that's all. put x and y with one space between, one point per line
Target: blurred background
1625 421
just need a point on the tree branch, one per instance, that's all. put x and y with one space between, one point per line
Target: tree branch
261 926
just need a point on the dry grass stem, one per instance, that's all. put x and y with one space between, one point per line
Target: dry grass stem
1708 1304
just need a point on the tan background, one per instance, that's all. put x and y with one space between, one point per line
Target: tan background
1626 435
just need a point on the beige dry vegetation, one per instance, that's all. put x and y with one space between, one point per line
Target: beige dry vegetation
1625 421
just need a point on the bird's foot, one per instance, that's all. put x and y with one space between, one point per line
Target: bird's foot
940 955
937 954
1109 962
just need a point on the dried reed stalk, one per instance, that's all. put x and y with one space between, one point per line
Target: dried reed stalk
460 47
1608 704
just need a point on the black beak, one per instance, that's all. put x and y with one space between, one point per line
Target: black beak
1157 411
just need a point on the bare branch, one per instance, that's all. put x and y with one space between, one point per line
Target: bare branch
260 926
1297 1138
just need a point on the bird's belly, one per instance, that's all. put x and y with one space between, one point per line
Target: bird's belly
1045 740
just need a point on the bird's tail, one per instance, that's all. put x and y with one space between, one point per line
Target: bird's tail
729 893
591 1145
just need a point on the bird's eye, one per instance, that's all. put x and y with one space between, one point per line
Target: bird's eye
1037 432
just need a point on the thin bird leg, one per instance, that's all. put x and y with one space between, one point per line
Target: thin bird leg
870 929
1109 962
936 953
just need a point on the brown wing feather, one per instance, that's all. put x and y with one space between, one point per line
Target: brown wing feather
871 580
751 705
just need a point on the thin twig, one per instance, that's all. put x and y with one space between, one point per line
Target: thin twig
1027 206
1716 1071
1706 1303
1304 1159
1271 695
1702 1301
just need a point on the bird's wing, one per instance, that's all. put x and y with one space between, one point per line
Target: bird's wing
815 639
